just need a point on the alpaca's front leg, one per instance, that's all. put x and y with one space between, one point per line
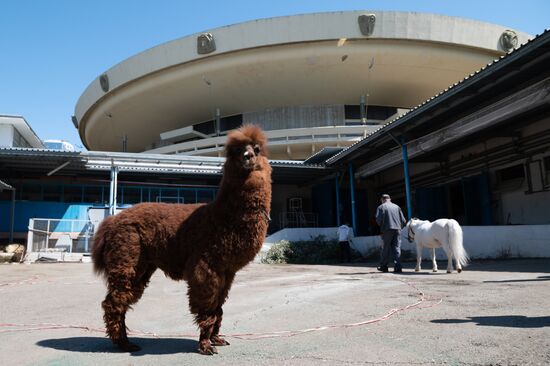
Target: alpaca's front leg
206 321
227 281
434 263
204 285
215 338
418 257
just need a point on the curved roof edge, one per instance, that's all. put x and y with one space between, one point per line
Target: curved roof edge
296 29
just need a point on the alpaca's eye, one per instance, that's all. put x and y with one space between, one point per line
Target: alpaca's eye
256 149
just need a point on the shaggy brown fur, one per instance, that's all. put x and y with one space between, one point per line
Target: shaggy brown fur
204 245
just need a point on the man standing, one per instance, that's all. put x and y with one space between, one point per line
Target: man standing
391 220
345 233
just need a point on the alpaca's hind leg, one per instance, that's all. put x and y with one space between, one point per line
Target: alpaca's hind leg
434 263
115 305
123 293
215 337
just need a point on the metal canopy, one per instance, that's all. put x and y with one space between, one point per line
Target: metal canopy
22 163
5 186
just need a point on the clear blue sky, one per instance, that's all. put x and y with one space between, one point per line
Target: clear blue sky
51 50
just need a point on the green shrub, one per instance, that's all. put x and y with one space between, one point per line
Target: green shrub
319 250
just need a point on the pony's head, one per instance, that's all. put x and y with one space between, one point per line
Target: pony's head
411 224
246 149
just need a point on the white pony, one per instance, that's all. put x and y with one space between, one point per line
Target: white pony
444 233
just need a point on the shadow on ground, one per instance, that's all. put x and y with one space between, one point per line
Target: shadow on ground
512 321
532 265
149 346
539 278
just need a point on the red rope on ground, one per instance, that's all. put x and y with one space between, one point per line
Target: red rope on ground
245 336
27 281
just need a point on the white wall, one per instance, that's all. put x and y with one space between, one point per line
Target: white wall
6 135
479 241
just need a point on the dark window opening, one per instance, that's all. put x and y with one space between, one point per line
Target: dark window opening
374 112
208 127
231 122
511 173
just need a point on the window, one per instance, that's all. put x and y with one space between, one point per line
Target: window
95 194
131 195
511 173
72 193
208 128
231 122
19 140
52 193
374 113
30 192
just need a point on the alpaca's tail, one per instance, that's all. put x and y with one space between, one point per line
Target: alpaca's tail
454 232
98 246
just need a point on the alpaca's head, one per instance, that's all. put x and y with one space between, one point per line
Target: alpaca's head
246 149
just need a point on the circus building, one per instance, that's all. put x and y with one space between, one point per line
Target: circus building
310 81
448 115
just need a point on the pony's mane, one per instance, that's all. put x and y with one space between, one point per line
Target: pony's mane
247 134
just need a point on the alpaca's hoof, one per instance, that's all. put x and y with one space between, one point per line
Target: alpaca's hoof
459 270
207 350
417 269
449 271
434 270
218 341
129 347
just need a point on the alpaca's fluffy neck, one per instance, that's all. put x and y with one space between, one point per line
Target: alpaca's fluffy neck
245 193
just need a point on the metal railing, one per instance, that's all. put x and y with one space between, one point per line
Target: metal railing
59 235
297 219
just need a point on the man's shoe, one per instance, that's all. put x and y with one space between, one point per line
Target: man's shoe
382 269
398 270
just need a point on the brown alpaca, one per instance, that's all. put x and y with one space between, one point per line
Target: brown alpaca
204 245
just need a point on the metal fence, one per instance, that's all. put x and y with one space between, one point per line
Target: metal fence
297 219
62 236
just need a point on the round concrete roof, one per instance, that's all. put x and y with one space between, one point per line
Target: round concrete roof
311 59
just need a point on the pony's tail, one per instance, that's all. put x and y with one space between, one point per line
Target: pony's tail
454 232
98 246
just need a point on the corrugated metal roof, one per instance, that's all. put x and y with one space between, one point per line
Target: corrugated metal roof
447 93
49 162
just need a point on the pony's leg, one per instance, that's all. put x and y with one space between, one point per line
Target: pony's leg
458 266
215 337
418 258
434 263
449 261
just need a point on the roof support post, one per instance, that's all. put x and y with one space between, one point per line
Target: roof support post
12 216
337 199
113 190
352 192
407 179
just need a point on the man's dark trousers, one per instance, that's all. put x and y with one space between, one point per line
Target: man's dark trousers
345 251
392 246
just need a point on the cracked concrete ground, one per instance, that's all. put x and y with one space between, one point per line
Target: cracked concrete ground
494 313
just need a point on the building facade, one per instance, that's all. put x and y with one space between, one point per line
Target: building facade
310 81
